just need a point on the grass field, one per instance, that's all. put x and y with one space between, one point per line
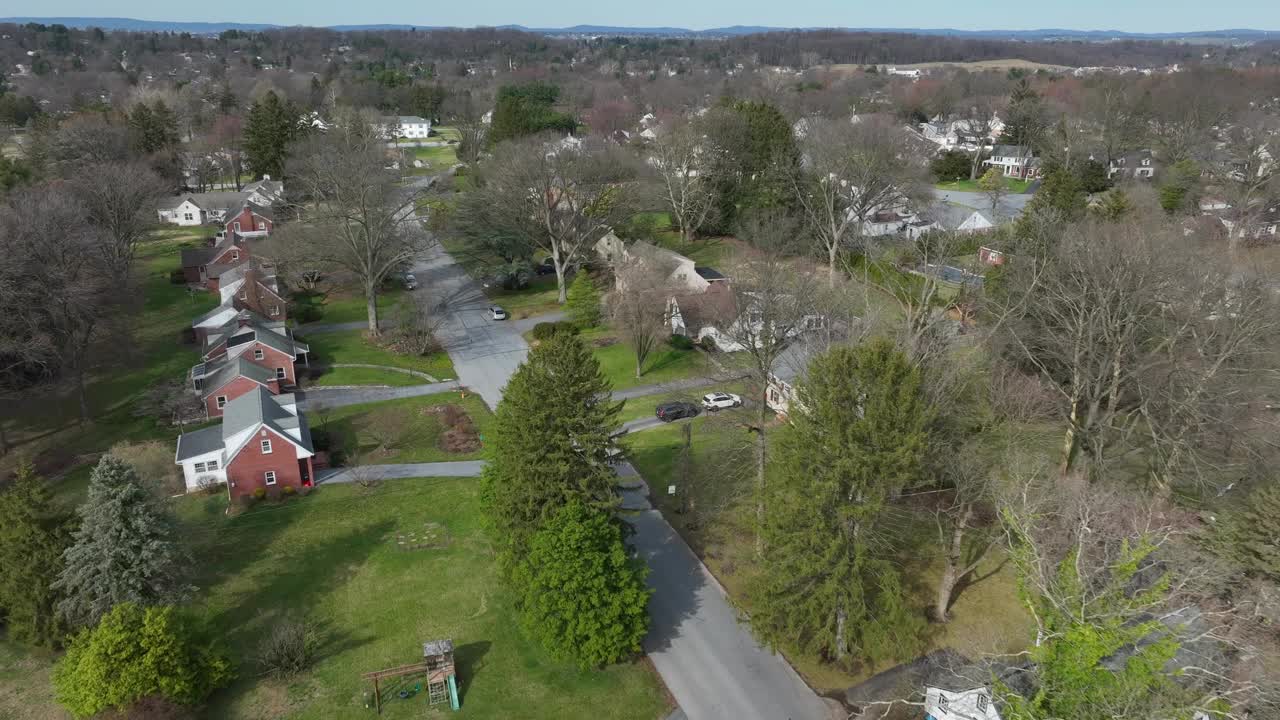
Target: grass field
665 363
715 515
410 424
365 376
351 346
1012 185
334 558
349 306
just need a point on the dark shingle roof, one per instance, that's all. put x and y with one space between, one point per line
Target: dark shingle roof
229 370
199 442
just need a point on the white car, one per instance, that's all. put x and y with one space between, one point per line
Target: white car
720 401
497 313
410 282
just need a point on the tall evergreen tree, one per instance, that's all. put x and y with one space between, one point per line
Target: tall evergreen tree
548 444
271 126
582 594
34 532
831 583
583 301
124 550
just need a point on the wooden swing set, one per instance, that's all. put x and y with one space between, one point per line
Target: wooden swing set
437 665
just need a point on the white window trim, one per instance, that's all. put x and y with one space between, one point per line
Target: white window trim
269 477
258 354
281 374
221 401
266 446
235 254
212 465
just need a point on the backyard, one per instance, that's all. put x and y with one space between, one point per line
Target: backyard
353 347
409 430
664 364
377 571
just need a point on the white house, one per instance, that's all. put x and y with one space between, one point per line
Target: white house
1014 161
207 207
962 218
975 704
180 211
904 72
405 126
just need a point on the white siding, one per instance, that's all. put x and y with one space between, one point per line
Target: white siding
192 478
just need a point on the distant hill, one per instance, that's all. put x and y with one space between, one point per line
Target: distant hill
207 28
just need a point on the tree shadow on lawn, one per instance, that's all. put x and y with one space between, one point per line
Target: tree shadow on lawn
469 661
668 356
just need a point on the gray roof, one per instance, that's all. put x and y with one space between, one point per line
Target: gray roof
229 370
410 119
953 215
1011 151
195 257
261 407
200 320
225 200
272 339
199 442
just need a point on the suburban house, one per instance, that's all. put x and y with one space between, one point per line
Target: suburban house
896 222
270 345
218 383
904 72
1015 161
963 219
252 220
252 286
265 192
200 265
973 704
262 442
678 272
949 135
781 391
406 126
1140 164
200 208
697 315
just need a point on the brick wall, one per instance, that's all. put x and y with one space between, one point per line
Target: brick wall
272 359
247 471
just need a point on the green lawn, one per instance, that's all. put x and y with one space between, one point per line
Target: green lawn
412 428
365 376
351 307
448 133
351 346
1013 185
334 558
665 363
643 407
539 298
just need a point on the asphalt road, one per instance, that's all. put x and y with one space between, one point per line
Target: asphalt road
1011 205
339 397
485 352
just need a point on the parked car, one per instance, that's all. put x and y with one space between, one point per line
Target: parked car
666 412
720 401
497 313
507 280
410 282
544 269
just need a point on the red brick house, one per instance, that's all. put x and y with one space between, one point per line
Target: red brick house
251 221
199 265
253 286
262 442
221 382
268 345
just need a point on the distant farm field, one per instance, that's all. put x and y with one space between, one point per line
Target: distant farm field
1006 64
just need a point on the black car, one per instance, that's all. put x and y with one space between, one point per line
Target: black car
666 412
544 269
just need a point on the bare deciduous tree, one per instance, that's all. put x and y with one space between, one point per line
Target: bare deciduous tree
638 309
684 180
557 198
363 221
852 171
119 200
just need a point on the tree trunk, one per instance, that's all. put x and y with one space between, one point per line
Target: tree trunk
562 292
84 397
760 462
686 233
831 264
639 363
842 618
371 304
951 573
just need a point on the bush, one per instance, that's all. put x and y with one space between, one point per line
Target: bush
708 343
320 439
306 313
259 493
135 653
584 301
680 342
153 462
288 649
546 330
289 490
177 277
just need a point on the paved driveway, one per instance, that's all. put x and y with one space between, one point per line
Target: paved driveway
485 352
339 397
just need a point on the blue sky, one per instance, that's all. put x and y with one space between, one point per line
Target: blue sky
1130 15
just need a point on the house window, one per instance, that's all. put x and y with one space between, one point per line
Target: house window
266 447
270 477
235 254
262 226
275 309
280 374
982 702
212 465
942 702
1146 161
222 400
244 295
236 226
258 354
200 467
186 216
